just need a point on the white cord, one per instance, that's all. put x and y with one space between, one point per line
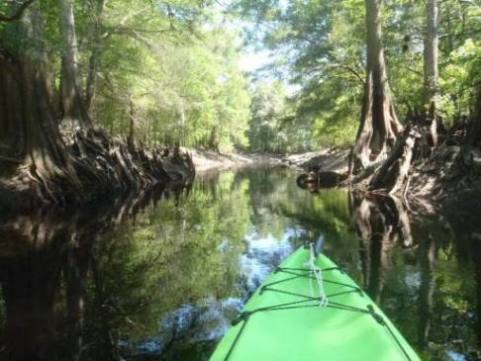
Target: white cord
323 300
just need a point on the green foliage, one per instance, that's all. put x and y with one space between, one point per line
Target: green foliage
181 86
323 44
267 109
171 67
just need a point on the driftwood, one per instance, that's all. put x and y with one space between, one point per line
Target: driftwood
393 174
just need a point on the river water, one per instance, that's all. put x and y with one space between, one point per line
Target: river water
160 277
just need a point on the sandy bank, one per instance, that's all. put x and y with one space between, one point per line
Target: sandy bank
334 160
209 160
327 159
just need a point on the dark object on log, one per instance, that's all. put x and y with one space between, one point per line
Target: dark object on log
304 179
316 180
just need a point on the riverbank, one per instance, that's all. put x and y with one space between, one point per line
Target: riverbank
91 166
436 184
330 159
207 160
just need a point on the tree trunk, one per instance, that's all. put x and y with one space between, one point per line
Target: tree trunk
130 136
379 126
474 132
72 101
431 73
94 57
27 110
27 97
473 135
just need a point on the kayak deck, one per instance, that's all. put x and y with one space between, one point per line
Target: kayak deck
283 320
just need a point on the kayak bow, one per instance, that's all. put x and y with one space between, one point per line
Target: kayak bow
294 317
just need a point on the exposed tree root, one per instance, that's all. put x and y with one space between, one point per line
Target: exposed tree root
422 181
65 161
392 176
100 166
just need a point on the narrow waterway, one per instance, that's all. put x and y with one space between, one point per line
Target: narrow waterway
160 277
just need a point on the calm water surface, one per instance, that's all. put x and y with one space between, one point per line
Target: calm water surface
160 277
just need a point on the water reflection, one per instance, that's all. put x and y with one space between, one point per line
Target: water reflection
381 223
160 277
51 281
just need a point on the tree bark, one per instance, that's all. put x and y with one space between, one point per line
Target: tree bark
94 57
473 135
130 136
393 175
72 100
379 126
28 113
431 72
26 76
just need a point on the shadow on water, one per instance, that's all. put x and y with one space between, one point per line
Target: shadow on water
160 276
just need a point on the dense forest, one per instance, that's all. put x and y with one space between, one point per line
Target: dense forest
95 91
425 54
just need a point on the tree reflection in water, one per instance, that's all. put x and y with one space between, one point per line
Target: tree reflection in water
45 260
381 222
159 277
438 304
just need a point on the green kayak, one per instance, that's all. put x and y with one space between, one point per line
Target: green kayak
301 314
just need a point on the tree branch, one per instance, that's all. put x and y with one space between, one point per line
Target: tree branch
350 70
18 14
354 72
